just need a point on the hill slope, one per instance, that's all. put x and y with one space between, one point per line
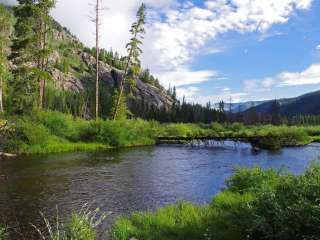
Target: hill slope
305 104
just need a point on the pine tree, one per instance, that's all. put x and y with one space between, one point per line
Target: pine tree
134 52
29 53
5 34
24 83
43 24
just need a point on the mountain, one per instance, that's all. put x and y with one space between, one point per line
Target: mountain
305 104
241 107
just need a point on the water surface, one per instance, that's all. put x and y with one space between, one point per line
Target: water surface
123 181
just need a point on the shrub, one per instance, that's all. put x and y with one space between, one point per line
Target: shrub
182 130
251 180
230 216
61 125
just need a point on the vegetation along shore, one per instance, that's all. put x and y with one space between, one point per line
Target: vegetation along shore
52 132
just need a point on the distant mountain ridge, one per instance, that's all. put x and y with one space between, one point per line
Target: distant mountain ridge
307 104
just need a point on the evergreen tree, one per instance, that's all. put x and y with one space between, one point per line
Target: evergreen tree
24 83
29 53
134 52
5 34
43 24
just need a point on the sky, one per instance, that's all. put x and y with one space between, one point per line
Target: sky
214 50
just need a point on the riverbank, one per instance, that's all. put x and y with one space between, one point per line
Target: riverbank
256 204
53 132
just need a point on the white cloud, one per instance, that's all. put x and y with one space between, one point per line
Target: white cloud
176 40
192 94
187 92
182 77
309 76
318 47
267 35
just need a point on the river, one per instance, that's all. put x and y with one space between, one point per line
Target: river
127 180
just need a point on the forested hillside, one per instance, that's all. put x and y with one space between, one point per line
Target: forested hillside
70 68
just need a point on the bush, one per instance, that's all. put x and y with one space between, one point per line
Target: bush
230 216
251 180
181 130
257 205
61 125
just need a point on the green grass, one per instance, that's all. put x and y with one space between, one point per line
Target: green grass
81 225
256 205
51 132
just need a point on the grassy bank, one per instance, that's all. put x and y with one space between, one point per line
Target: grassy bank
52 132
256 205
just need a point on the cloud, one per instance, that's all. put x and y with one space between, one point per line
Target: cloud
267 35
192 94
182 77
187 92
176 39
318 47
309 76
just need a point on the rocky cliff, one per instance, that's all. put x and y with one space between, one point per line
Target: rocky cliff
73 69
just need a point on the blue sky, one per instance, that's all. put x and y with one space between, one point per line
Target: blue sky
292 47
212 50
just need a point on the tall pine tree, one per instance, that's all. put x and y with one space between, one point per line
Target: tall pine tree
134 52
44 26
29 53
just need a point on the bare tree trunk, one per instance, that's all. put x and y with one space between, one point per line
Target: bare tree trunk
97 59
42 64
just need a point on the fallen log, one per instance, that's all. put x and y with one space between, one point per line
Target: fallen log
7 155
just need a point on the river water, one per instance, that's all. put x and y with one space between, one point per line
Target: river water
127 180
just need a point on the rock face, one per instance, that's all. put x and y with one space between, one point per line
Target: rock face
80 73
142 92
